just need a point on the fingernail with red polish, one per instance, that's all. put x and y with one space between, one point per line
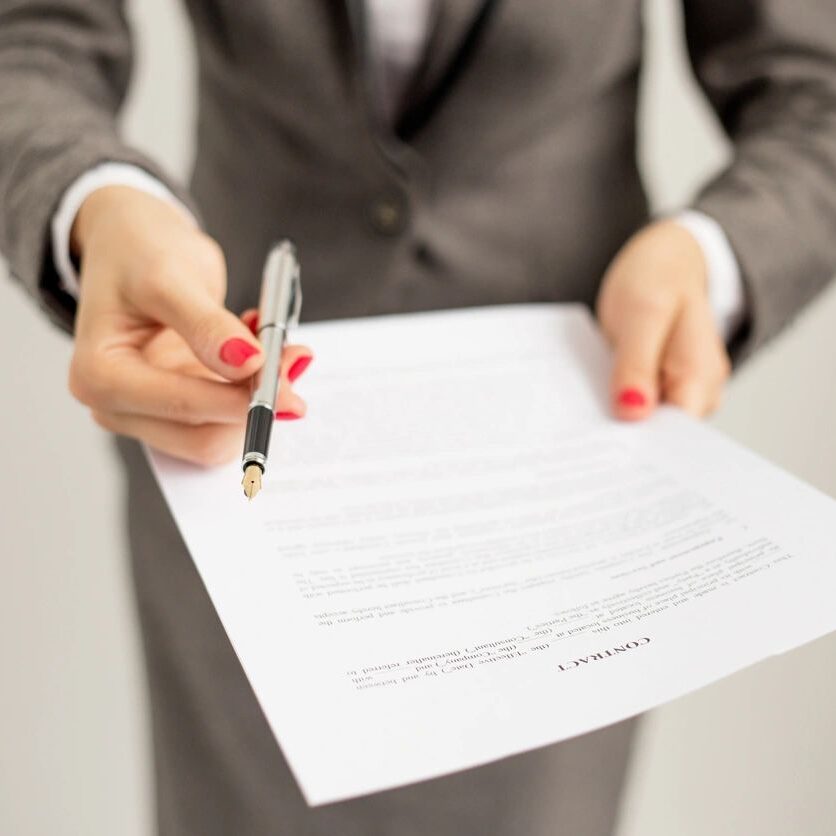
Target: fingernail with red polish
287 416
236 352
299 365
632 397
252 323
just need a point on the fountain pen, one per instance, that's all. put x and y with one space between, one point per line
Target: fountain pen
278 310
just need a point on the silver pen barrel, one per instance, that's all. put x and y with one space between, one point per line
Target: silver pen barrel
278 288
278 310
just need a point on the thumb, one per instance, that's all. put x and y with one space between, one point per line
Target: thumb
219 339
639 342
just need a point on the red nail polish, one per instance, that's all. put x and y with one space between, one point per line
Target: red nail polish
236 352
252 323
299 365
287 416
632 397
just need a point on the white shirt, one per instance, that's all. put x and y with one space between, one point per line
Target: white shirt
399 30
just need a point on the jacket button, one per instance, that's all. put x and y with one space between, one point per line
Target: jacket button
388 215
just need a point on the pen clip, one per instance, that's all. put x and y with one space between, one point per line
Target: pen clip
296 300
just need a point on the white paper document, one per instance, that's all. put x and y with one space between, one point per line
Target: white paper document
458 555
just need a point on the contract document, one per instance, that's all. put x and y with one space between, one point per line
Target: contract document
458 555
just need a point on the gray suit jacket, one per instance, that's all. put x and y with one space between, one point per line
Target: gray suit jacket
511 177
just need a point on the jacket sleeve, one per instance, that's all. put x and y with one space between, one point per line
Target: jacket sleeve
769 69
64 72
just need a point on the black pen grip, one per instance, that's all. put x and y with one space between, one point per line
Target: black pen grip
257 438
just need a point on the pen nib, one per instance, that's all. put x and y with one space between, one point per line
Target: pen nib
252 480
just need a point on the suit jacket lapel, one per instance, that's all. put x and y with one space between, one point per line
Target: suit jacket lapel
361 52
453 24
457 30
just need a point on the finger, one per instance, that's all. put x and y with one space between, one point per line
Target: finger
295 359
695 366
639 341
124 382
219 339
289 405
250 319
207 444
690 396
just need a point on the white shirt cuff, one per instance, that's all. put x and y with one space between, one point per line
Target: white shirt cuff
105 174
725 283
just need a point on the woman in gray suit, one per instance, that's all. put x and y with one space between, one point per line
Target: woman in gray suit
422 155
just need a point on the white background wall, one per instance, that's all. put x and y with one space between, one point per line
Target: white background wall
755 754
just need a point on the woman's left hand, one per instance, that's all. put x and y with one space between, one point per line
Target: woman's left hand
654 309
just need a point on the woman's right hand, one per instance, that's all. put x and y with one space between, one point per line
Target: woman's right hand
157 355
